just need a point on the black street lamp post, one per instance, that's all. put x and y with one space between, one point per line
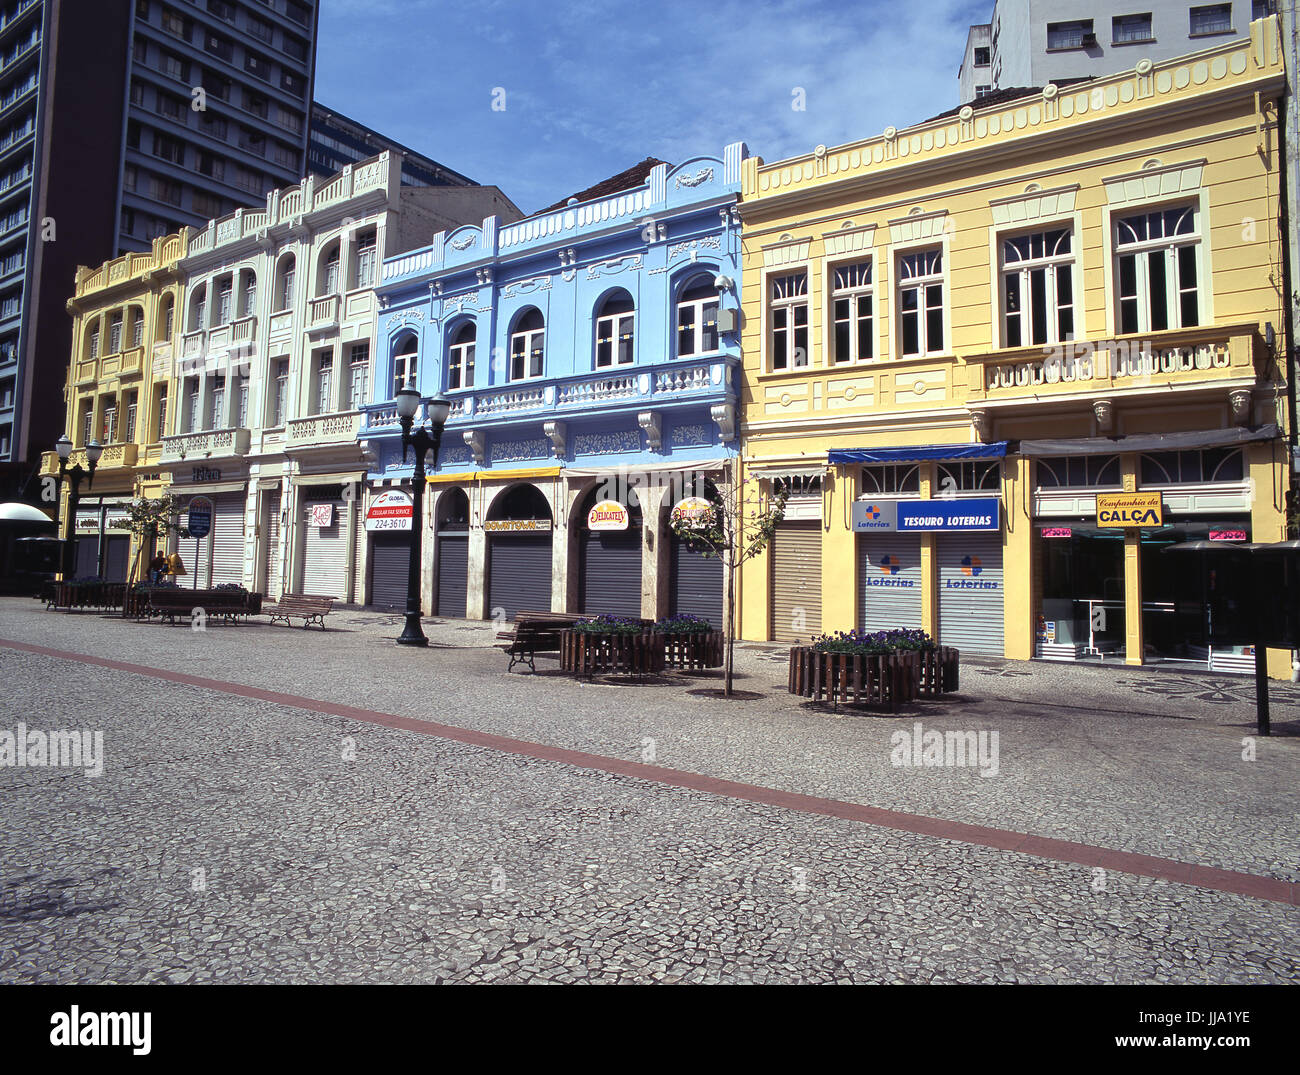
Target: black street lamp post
423 441
75 473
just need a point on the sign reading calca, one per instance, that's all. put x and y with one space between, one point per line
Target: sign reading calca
1129 509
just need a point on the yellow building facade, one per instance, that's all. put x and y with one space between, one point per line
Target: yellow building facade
118 390
976 347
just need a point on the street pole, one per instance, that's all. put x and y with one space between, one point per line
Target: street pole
423 441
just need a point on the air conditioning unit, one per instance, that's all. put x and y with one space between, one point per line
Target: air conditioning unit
1089 41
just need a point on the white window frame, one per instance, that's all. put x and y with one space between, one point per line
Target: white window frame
612 330
225 300
922 283
358 374
324 386
115 334
280 390
784 308
1049 265
460 362
1170 246
406 367
217 412
528 345
851 292
700 310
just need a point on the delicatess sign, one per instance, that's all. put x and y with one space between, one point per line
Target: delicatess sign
607 515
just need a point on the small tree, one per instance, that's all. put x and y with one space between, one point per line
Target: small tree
718 525
151 518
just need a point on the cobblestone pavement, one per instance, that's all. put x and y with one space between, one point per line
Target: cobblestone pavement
231 839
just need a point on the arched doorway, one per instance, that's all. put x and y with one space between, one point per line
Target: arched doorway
519 533
609 560
451 531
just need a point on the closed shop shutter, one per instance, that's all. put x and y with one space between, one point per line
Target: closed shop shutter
87 545
610 573
272 554
116 550
453 576
227 538
971 606
889 581
696 584
519 574
390 558
796 582
324 553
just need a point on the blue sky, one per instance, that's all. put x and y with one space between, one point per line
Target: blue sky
591 88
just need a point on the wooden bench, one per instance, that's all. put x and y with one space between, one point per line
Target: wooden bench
229 605
533 633
311 608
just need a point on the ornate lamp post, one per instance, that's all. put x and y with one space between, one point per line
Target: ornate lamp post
423 441
93 451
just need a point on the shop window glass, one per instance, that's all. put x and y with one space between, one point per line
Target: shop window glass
889 479
1206 465
1079 472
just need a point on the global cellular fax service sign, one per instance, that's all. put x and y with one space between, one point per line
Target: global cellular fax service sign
926 516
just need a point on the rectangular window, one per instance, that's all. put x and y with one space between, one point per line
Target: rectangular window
332 274
261 29
324 382
921 303
295 47
218 46
140 50
257 66
174 67
982 91
241 402
110 426
280 402
852 313
207 205
358 374
286 287
404 369
1157 270
194 406
94 342
168 149
223 302
162 413
614 334
222 9
788 309
137 330
1262 9
526 354
982 56
697 321
1131 29
175 24
115 334
290 120
88 425
128 431
1037 288
291 83
366 260
1211 19
460 363
217 416
1070 35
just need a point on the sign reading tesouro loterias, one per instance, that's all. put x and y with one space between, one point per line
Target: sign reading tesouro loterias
926 516
392 509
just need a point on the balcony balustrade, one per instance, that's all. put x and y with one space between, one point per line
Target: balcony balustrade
207 444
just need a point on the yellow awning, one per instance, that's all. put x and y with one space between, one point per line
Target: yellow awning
494 475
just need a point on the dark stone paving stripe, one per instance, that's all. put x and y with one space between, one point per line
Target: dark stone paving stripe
1185 873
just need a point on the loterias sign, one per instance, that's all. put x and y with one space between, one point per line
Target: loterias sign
927 516
1129 509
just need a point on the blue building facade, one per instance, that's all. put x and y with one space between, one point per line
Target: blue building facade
592 353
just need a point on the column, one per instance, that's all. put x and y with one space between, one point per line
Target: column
1018 549
656 550
1133 647
839 554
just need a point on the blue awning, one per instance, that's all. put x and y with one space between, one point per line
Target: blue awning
918 453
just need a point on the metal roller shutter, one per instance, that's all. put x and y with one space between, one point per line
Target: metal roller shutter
889 581
519 574
324 553
227 538
796 582
196 554
273 554
697 584
87 562
610 573
116 550
971 609
453 576
390 559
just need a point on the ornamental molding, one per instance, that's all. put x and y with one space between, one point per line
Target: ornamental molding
694 246
689 436
526 287
1155 181
558 433
476 443
725 415
623 440
918 226
786 252
405 317
1034 205
652 425
849 239
704 175
510 451
454 306
630 262
464 242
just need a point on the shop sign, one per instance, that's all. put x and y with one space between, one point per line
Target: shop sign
512 526
875 516
117 520
322 515
1129 509
199 522
205 474
607 515
393 509
693 511
1057 532
1049 631
1227 535
948 516
972 567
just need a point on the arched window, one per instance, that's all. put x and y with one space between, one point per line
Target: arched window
327 279
225 300
284 283
166 318
247 293
697 318
406 356
198 308
135 318
527 346
460 358
363 266
614 330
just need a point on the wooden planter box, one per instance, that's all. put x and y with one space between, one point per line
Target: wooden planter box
696 649
97 595
883 679
586 653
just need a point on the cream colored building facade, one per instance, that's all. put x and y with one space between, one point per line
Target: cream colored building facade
1005 313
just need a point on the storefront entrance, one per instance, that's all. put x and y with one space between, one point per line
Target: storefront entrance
1081 612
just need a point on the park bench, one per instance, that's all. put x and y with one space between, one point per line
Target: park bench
311 608
229 605
533 633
